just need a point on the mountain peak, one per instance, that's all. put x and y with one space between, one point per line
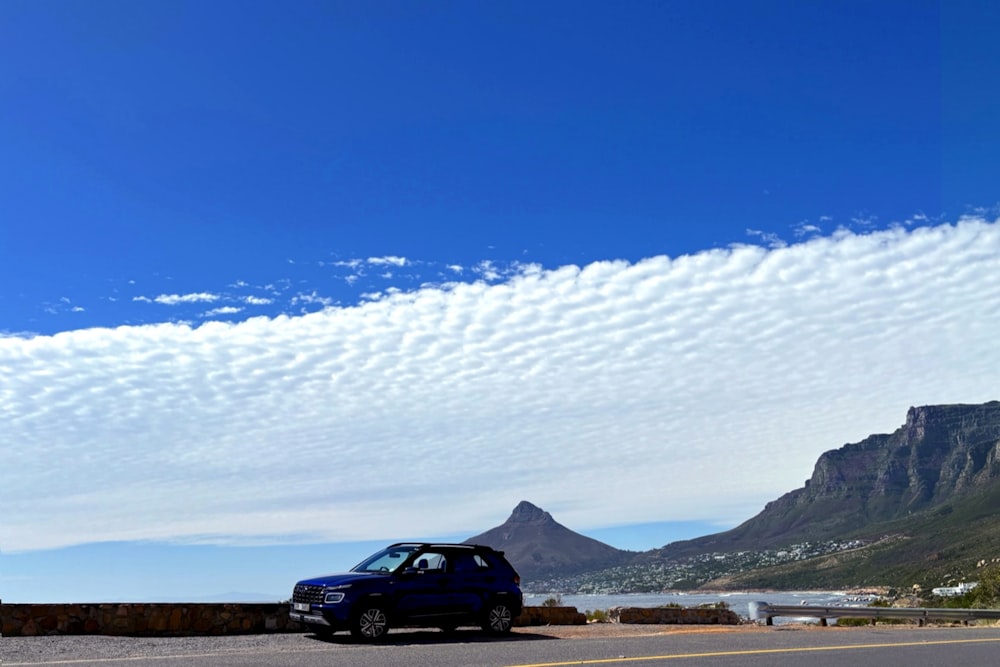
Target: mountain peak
538 546
525 512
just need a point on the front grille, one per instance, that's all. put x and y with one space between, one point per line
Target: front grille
310 594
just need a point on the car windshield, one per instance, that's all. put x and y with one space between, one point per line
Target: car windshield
386 560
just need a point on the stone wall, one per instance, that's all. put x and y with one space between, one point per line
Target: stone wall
158 619
165 619
676 615
550 616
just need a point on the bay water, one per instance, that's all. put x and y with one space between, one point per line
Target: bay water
739 602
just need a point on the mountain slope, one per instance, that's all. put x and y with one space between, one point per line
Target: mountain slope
918 506
942 455
537 546
939 547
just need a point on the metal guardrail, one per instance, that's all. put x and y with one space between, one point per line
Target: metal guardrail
762 611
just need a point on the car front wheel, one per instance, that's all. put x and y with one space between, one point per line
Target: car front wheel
499 619
371 623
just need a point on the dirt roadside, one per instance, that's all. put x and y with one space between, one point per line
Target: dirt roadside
612 630
606 630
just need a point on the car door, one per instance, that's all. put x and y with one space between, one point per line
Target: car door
471 583
422 588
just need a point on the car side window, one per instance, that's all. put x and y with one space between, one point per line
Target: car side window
466 563
384 561
431 561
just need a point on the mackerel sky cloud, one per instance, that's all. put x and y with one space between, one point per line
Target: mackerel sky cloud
296 276
606 391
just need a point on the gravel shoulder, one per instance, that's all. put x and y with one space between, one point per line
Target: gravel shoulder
605 630
70 650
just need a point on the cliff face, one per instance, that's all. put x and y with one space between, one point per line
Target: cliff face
936 480
941 453
537 546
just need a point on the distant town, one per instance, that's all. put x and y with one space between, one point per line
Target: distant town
685 574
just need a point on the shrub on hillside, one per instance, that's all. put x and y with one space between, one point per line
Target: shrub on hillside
984 596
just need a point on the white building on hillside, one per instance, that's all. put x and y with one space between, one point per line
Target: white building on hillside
951 591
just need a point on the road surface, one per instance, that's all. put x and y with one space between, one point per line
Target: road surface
746 646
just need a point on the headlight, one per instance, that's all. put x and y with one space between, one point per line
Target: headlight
335 594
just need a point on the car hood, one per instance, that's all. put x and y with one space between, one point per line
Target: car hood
341 578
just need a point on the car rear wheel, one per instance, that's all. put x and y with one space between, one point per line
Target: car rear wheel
371 623
499 619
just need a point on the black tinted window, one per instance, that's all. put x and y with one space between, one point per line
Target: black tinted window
469 563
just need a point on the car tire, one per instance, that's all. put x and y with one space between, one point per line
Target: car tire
498 619
371 623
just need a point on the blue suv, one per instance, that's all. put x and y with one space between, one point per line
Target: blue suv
409 584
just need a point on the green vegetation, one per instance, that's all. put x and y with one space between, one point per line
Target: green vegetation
984 596
597 616
554 601
939 547
928 550
881 602
987 594
852 622
714 605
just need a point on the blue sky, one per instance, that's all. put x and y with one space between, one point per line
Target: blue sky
291 277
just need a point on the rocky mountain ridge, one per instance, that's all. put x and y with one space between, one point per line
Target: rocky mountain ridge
941 454
919 502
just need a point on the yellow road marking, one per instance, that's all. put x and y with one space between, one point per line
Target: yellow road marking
762 651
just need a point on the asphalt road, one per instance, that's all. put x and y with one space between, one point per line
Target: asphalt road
775 646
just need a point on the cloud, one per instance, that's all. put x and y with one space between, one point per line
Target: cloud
770 239
175 299
63 305
311 299
389 259
223 310
612 393
805 228
492 271
864 220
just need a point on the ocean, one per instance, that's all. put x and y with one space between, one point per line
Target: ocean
738 602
